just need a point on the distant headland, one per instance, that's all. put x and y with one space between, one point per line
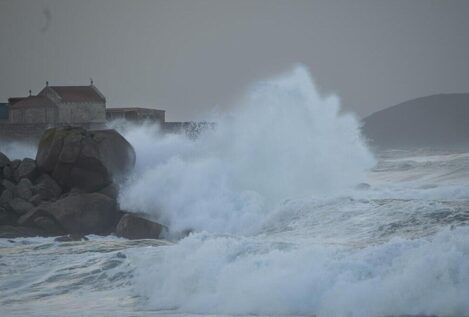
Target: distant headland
433 121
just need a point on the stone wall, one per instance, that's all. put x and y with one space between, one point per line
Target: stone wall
82 113
21 132
67 113
41 115
31 132
136 115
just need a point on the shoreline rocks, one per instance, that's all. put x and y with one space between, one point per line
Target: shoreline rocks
87 160
71 237
84 213
9 232
70 188
134 227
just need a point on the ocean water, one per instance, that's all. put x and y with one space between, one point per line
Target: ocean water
281 210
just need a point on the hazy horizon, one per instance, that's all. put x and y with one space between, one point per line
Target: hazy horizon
188 57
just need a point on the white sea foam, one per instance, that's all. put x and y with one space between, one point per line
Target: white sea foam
283 141
231 275
280 168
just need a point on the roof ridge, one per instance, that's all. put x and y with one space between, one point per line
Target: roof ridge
87 93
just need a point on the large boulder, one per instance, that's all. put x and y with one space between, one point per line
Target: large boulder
48 225
28 218
19 206
7 218
26 169
87 160
8 185
84 213
47 188
24 189
112 191
8 173
15 164
6 197
134 227
40 218
10 232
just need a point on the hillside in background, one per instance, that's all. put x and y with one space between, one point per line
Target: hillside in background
432 121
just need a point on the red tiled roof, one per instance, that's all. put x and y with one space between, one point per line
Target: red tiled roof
34 101
77 93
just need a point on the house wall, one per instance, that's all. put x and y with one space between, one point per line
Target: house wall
33 115
69 113
51 114
79 113
16 116
64 113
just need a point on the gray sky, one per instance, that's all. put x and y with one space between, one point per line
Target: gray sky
188 57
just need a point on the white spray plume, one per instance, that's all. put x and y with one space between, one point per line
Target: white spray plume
282 141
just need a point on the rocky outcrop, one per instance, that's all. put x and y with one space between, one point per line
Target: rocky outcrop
8 173
4 160
47 188
111 191
26 169
39 218
10 232
134 227
6 197
87 160
19 206
24 189
7 218
85 213
70 188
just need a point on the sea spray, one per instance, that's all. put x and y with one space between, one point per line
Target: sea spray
17 149
210 274
283 141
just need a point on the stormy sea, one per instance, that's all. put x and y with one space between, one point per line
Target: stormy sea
279 209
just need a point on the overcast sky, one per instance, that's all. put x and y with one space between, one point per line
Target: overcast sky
188 57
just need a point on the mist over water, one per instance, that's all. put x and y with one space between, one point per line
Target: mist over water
283 141
18 150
